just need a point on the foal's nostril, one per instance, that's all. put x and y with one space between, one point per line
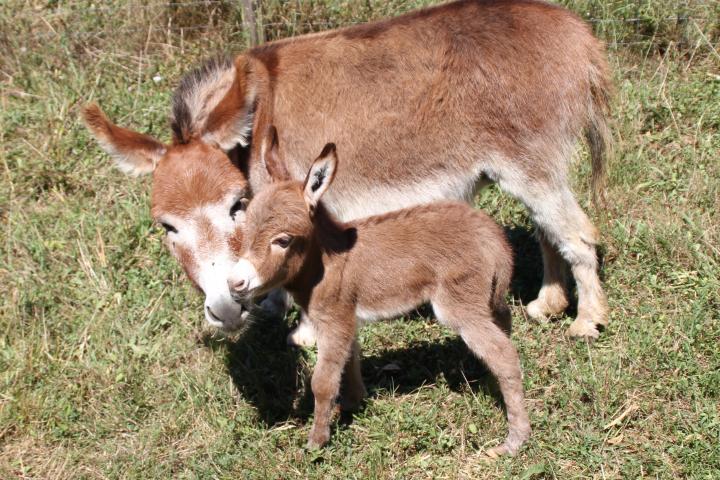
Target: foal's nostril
236 285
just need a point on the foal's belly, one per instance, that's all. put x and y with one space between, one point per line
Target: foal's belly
367 314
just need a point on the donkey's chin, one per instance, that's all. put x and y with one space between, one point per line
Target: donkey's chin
226 316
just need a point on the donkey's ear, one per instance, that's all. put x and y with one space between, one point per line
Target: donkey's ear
135 153
230 122
270 155
320 176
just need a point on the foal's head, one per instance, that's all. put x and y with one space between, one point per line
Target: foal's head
279 224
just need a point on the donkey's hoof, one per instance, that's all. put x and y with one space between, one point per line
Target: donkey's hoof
546 306
302 336
583 328
536 311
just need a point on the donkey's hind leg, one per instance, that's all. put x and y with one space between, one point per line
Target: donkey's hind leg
564 226
303 335
352 390
552 299
484 334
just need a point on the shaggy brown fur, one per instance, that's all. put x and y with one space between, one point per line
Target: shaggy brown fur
427 106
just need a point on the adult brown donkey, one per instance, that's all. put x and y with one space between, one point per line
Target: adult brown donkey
426 106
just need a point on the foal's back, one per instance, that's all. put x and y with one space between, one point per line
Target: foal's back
405 257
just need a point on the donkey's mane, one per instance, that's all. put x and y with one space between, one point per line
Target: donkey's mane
197 95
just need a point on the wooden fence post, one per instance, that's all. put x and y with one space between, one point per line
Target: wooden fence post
250 22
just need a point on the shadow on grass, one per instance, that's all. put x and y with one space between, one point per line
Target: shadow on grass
266 371
275 377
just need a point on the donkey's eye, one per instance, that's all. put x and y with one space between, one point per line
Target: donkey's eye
168 228
282 241
238 206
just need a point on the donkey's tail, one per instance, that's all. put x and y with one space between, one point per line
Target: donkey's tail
597 131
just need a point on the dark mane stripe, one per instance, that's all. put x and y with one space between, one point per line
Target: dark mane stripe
193 97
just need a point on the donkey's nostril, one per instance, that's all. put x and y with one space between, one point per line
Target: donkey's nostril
212 315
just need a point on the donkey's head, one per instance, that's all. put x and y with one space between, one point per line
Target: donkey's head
198 193
279 226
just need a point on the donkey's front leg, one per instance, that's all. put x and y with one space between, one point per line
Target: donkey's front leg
303 335
335 342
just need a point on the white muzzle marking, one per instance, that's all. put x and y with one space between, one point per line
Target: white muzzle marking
221 310
244 277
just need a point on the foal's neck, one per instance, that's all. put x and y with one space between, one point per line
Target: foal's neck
332 236
330 239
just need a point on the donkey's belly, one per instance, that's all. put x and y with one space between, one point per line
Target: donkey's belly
355 202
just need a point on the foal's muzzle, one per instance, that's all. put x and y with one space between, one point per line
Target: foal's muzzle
239 291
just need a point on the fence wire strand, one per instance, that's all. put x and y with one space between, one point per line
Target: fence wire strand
46 24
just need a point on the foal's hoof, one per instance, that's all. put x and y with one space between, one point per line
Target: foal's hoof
583 328
302 336
499 451
317 440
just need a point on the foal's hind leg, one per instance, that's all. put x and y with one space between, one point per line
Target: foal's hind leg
485 337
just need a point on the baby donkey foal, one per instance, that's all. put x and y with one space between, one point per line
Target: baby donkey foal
341 273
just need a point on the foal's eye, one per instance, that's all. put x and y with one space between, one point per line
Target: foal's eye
168 228
238 206
282 241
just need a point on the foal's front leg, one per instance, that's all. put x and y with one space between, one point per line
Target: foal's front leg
353 388
335 341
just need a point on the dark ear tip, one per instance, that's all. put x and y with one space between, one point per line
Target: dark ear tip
328 149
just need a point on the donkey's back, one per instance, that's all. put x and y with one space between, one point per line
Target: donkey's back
499 88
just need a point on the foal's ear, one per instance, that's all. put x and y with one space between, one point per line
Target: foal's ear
134 153
270 156
320 176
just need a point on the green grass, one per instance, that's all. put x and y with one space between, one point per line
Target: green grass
108 371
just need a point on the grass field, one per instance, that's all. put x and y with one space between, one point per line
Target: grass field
107 369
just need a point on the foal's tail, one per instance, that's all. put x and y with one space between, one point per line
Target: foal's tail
597 132
501 285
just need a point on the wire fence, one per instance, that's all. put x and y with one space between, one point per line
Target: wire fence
156 28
